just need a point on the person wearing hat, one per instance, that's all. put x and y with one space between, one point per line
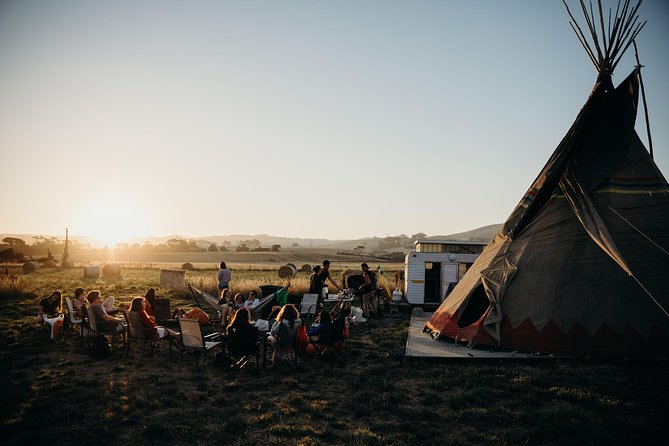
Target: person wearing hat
370 305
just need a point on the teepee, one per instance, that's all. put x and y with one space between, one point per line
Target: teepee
581 266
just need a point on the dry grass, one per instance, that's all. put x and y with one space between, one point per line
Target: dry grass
373 399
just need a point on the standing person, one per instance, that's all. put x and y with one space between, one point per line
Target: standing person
224 277
315 282
368 289
325 275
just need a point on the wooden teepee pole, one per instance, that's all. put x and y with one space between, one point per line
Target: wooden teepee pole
643 97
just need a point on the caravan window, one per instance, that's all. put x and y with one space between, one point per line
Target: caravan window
462 269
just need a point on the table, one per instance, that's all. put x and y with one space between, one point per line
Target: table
334 299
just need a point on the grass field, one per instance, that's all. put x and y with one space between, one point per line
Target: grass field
54 394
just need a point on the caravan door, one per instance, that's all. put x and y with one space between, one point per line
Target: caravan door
450 278
432 283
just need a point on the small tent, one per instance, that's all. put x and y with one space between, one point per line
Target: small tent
581 266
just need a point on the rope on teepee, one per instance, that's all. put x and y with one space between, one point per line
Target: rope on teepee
651 296
658 247
638 230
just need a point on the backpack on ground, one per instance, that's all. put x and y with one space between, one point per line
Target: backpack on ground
99 348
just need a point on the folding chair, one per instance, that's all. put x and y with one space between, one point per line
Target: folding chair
94 328
285 351
309 306
242 349
164 313
137 332
333 343
73 320
191 340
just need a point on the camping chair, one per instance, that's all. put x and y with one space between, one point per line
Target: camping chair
242 350
94 328
137 331
73 320
164 313
285 351
309 306
191 340
210 300
332 344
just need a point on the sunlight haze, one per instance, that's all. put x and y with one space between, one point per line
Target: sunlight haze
301 119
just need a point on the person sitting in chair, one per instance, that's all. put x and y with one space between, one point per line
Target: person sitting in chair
284 330
79 302
104 320
151 330
49 307
150 298
252 301
321 327
239 301
227 306
242 334
49 313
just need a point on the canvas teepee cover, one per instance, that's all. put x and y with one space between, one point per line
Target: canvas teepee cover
581 266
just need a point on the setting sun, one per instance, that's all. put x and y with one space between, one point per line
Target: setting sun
111 220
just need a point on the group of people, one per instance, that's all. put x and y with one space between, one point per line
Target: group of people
229 305
321 274
236 312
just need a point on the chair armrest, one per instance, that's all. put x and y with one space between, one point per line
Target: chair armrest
212 336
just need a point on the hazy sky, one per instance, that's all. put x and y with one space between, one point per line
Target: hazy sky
337 119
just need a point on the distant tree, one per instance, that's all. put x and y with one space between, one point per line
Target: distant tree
251 244
212 248
242 248
419 236
223 248
177 245
13 241
226 243
295 245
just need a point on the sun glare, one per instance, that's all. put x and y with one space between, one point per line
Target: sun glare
111 220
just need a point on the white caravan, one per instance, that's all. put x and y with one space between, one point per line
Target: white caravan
433 270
